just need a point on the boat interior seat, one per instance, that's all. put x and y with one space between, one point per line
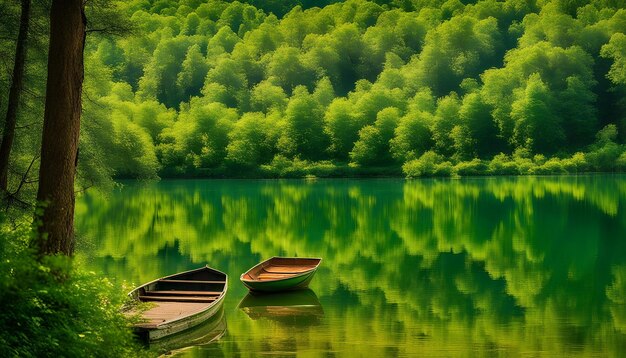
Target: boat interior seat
189 281
150 298
181 293
287 269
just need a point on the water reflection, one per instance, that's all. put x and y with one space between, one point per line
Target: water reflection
293 308
504 266
206 333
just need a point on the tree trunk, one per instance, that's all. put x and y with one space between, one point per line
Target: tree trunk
59 147
14 95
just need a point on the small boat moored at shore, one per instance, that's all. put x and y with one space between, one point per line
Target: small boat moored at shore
281 274
179 302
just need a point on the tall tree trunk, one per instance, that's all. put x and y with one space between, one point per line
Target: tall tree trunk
14 95
59 147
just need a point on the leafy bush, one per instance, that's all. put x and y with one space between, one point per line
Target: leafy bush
282 166
51 308
551 166
576 164
605 152
425 166
621 161
502 164
605 157
473 167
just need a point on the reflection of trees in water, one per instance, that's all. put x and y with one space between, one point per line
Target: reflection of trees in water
510 262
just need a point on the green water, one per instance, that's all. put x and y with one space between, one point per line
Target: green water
528 266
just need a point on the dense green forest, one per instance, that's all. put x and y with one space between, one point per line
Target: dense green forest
354 88
440 87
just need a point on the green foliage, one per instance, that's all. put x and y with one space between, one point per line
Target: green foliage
372 147
53 308
536 128
303 131
473 167
200 136
413 136
194 69
459 48
250 141
265 96
616 50
502 164
341 126
469 79
428 165
136 155
445 119
605 152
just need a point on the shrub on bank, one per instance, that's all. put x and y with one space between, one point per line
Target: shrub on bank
551 166
428 165
473 167
577 163
502 164
51 308
611 157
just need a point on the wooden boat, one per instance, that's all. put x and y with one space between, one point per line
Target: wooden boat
293 308
179 302
281 274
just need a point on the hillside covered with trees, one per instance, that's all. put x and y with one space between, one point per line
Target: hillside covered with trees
413 87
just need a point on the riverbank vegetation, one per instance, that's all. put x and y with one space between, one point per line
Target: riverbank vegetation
53 307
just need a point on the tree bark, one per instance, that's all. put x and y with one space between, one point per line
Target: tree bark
14 95
59 147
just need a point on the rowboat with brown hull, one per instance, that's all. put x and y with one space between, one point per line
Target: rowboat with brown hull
179 302
281 274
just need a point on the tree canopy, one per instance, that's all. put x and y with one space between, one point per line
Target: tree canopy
351 85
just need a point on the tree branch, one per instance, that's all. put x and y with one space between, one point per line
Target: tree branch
24 177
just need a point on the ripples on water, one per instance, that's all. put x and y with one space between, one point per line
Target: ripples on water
522 266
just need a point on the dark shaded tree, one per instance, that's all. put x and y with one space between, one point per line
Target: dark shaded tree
15 92
59 148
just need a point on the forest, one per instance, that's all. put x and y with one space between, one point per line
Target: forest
355 88
93 92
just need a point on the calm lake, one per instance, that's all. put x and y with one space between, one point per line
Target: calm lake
511 266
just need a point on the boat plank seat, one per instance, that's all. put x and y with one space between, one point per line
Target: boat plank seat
178 298
288 269
183 293
189 281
